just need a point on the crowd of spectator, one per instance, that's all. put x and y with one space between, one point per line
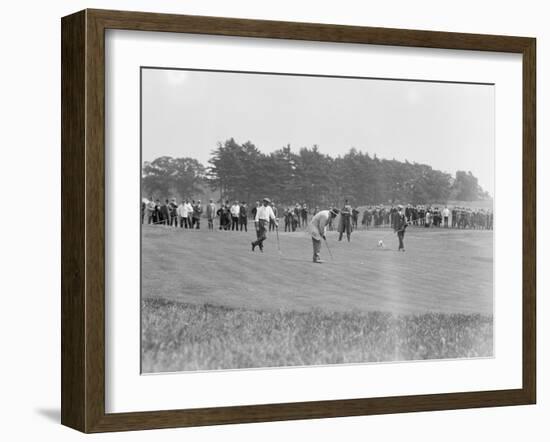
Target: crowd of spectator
430 216
235 215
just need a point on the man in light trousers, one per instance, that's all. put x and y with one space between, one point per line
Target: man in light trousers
318 230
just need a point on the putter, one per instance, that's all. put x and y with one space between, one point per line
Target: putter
328 248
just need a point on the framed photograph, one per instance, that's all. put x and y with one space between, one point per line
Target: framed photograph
267 221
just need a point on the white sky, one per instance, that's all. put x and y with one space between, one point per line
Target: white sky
448 126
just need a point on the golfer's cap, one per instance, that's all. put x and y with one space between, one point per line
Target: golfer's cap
267 200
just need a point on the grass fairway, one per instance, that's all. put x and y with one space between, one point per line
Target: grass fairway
209 302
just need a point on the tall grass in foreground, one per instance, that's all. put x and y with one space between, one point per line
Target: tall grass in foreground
178 336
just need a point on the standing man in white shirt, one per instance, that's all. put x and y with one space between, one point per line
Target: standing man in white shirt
264 214
187 214
235 210
446 212
180 211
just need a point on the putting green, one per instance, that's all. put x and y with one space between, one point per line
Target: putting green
443 270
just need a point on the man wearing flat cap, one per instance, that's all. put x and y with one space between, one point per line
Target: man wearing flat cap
400 226
318 230
197 212
345 221
264 214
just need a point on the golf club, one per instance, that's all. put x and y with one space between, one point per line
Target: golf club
278 242
328 248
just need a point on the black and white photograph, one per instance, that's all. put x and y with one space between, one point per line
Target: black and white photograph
295 220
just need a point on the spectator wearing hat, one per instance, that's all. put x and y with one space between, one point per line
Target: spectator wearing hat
243 216
264 214
318 230
165 213
211 214
157 217
235 211
143 209
179 212
400 226
255 209
295 222
354 218
191 218
298 214
173 213
224 213
150 211
421 215
408 213
428 218
345 221
365 221
197 212
290 222
446 213
304 214
185 212
276 213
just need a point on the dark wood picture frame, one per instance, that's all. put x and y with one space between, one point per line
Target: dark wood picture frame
83 220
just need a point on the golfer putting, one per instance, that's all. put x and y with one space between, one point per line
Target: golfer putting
318 229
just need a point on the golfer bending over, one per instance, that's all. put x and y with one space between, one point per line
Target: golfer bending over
318 230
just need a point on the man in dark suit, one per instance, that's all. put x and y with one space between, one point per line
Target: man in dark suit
157 217
255 209
408 213
225 216
243 216
400 226
298 214
304 214
345 221
393 216
173 213
365 221
288 219
197 213
165 213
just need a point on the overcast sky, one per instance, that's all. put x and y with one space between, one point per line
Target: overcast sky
448 126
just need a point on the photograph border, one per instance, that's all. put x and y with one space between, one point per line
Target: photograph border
83 220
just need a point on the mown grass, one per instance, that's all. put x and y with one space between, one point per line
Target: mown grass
179 337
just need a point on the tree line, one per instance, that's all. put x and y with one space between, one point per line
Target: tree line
242 172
